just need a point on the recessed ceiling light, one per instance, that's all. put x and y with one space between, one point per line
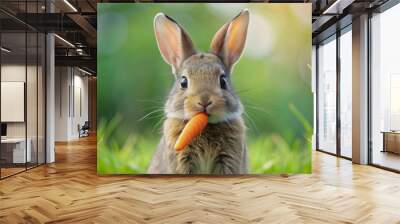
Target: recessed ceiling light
70 5
84 71
64 40
337 7
5 50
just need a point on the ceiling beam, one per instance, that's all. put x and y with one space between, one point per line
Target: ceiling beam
86 26
49 22
80 61
320 22
337 7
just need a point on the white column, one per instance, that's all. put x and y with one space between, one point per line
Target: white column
50 92
50 100
360 90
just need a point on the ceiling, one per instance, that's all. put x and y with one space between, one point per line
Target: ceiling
75 22
332 15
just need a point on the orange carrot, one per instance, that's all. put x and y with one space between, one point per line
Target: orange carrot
191 130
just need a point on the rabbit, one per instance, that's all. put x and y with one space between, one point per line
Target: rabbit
202 84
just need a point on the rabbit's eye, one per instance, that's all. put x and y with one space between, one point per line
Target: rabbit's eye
184 82
223 81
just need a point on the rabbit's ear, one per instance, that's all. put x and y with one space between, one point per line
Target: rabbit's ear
174 43
229 41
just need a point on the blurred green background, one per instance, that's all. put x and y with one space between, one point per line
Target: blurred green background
273 80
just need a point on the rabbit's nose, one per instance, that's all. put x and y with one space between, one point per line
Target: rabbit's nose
205 105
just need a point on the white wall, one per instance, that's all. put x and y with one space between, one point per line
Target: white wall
16 73
33 126
11 73
71 93
62 81
80 110
13 101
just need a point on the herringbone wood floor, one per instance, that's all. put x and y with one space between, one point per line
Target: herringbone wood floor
70 191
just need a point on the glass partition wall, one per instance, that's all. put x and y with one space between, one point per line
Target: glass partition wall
13 89
334 93
22 98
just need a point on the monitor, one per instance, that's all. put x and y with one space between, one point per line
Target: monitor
3 129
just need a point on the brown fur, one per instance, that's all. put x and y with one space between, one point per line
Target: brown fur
221 147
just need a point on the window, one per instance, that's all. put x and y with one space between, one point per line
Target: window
327 96
385 89
346 93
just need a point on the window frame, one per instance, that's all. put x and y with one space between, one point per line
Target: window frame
334 37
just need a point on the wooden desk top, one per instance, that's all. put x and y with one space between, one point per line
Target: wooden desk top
391 132
13 140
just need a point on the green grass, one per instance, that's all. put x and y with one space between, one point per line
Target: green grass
133 157
272 154
267 154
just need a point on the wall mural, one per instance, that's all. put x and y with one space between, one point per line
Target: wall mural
204 88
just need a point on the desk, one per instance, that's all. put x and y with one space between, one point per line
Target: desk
391 141
13 150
